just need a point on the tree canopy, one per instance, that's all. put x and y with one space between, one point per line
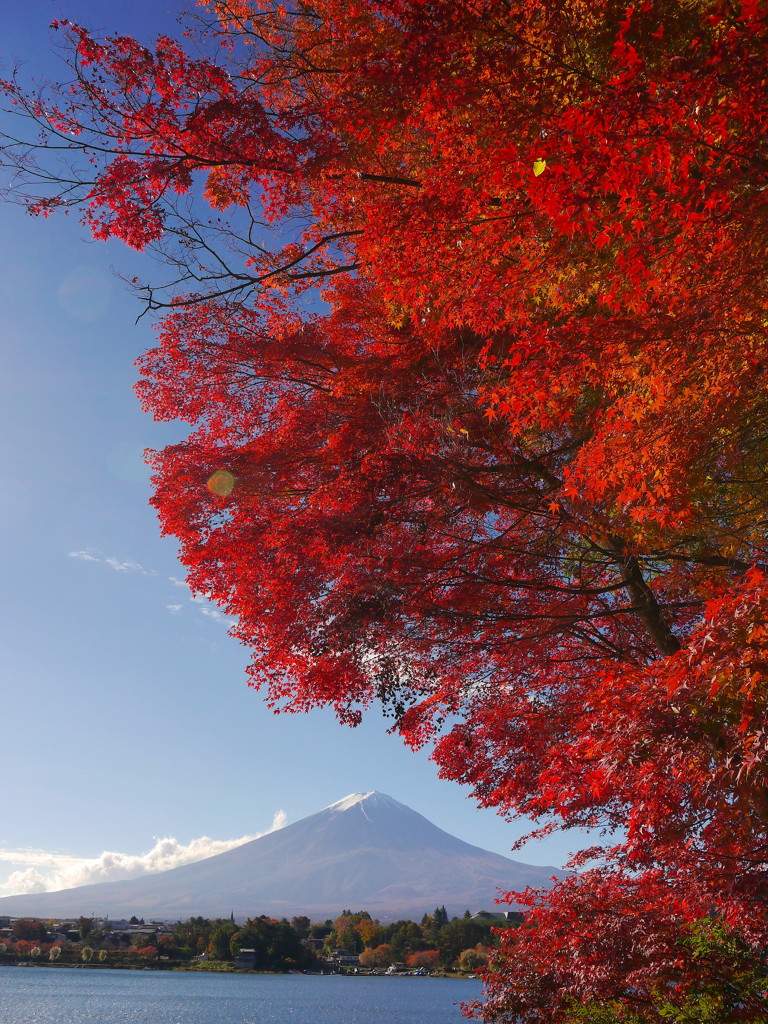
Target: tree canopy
467 312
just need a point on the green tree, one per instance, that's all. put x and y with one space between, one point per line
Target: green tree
459 934
406 938
301 926
276 943
192 936
219 942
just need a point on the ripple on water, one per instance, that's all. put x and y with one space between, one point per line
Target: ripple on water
64 996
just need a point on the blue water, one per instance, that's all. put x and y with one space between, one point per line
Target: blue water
37 995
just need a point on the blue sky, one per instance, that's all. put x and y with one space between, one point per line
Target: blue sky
126 715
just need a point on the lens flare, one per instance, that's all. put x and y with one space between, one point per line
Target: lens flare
221 483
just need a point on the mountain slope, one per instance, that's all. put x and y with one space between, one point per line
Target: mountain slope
366 851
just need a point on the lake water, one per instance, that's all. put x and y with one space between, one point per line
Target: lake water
38 995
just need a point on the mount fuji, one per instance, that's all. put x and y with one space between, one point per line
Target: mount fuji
365 852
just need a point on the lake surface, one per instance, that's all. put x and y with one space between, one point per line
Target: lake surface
38 995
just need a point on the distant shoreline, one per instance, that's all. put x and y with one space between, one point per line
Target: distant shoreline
202 969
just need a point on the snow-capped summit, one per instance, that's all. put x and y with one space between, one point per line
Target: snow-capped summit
350 801
366 851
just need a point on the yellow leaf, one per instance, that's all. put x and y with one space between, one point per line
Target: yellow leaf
538 167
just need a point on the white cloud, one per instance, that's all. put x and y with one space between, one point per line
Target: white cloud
24 881
114 563
201 601
205 607
46 871
212 613
128 566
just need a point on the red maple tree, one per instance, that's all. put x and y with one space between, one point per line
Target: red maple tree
506 473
